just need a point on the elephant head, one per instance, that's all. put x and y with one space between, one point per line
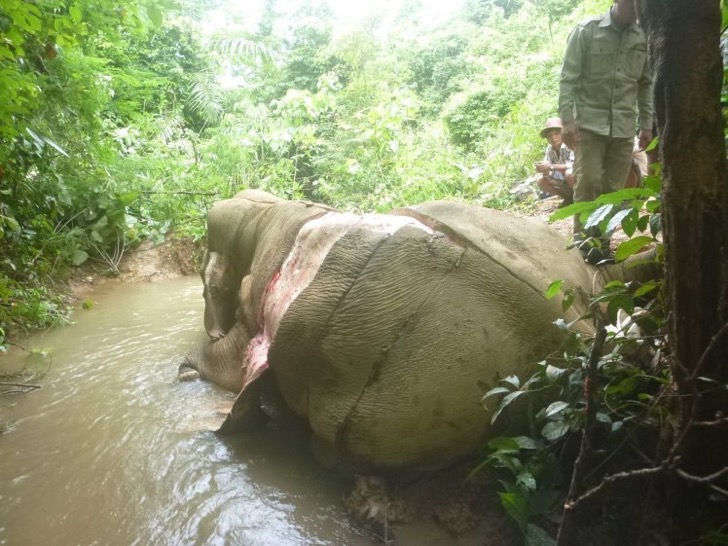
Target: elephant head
384 331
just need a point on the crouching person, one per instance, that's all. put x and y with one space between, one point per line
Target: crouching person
556 167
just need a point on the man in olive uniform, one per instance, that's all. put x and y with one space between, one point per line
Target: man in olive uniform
605 83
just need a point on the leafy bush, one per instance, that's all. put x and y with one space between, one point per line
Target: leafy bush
607 387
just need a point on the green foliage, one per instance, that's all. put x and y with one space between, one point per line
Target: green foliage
437 70
75 76
624 394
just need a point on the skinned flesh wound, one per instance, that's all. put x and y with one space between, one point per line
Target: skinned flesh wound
312 244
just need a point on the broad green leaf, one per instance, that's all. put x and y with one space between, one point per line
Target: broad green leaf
632 246
556 407
75 13
553 288
535 536
553 430
504 443
646 288
527 479
512 380
12 223
128 198
598 216
628 194
553 373
516 506
654 183
568 300
642 223
79 256
571 210
621 301
616 220
495 392
507 400
524 442
630 223
655 224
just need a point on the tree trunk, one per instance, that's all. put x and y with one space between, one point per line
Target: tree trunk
684 42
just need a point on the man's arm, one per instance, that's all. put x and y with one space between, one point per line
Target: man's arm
645 106
570 75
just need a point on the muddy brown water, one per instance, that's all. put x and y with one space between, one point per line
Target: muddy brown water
113 451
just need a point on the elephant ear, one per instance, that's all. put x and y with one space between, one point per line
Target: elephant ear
276 234
219 292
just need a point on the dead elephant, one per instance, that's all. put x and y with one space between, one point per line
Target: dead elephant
382 331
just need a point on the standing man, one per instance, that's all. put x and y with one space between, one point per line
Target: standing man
605 83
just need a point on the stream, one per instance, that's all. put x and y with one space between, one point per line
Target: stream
112 450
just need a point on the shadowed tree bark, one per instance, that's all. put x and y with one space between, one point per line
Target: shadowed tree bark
685 494
684 41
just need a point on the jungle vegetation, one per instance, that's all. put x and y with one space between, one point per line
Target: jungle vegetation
124 122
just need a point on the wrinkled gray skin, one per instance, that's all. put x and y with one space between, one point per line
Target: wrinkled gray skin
388 351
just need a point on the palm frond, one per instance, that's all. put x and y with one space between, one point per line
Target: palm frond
244 49
204 101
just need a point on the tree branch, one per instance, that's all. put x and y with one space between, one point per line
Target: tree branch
581 466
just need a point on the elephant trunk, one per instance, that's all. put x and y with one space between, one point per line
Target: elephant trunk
188 370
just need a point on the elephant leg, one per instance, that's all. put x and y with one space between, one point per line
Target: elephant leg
247 413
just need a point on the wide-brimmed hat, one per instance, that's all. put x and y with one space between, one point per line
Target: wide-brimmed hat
551 123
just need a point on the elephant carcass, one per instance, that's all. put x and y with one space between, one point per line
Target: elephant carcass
384 331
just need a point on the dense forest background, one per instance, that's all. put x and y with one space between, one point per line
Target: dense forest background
121 123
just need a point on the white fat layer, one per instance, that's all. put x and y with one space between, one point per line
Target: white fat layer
312 245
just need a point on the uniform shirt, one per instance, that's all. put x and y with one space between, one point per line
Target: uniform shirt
562 156
605 75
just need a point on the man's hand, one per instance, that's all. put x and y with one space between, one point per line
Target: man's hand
543 167
570 134
645 138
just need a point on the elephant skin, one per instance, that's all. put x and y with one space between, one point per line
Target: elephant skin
383 332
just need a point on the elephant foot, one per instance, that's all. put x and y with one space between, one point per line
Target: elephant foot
246 414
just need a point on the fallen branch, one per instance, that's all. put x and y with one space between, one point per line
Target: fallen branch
11 344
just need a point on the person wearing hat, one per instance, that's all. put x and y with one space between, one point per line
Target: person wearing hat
605 87
555 169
